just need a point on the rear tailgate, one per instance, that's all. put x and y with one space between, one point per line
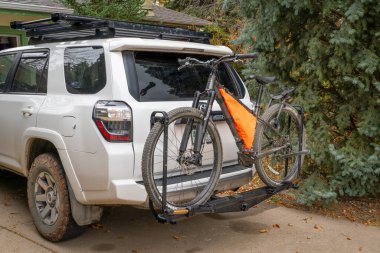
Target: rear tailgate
157 85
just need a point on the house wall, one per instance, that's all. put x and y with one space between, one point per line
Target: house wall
12 37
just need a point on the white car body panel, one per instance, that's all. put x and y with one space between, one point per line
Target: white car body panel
99 172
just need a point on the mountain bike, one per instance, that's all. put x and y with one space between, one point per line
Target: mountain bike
183 151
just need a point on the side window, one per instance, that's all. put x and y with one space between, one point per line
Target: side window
31 73
85 69
6 62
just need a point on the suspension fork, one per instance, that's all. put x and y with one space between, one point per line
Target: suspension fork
189 125
201 129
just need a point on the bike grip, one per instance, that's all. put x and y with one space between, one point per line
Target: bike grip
246 56
182 61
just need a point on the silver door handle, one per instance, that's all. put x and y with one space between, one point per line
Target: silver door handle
27 111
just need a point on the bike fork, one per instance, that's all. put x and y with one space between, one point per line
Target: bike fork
201 129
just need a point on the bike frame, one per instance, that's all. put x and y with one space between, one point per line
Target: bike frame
212 93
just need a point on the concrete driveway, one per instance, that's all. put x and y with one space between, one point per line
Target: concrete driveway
263 229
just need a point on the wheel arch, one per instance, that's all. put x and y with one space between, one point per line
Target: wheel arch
36 147
37 141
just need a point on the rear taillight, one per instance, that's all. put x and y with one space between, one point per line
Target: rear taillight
114 120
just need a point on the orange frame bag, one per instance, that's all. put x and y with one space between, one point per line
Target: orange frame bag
243 119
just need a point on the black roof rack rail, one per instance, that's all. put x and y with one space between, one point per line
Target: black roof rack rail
62 27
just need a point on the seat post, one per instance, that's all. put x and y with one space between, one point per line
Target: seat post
258 100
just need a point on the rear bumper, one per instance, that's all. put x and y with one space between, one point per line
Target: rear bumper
130 192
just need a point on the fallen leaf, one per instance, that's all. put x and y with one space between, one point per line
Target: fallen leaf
135 251
308 237
290 224
318 227
276 225
347 237
360 248
264 230
177 237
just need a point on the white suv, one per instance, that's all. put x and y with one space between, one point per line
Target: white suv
75 115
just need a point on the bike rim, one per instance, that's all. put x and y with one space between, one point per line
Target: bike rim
283 164
183 179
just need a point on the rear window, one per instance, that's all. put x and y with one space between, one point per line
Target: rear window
158 77
85 69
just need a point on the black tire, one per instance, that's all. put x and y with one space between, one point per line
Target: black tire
271 168
151 170
47 190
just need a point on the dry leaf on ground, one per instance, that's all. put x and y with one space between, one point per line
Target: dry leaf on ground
264 230
318 227
177 237
347 237
276 225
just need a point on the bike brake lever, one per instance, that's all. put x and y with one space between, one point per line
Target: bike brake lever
238 60
183 66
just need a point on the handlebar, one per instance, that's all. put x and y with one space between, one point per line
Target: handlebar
246 56
189 61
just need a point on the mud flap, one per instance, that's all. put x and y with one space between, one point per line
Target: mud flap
83 214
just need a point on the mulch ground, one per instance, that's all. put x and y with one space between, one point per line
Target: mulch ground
365 210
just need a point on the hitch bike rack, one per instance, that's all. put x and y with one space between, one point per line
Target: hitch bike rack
231 203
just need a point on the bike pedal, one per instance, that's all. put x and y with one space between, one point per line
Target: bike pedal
180 212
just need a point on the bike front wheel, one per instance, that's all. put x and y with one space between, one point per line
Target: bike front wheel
188 182
279 143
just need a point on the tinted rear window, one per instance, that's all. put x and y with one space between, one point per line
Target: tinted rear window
159 79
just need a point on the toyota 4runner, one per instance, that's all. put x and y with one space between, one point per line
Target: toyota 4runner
75 112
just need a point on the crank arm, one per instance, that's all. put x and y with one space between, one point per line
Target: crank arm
269 152
303 152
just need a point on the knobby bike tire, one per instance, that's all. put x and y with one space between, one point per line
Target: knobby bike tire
148 159
259 135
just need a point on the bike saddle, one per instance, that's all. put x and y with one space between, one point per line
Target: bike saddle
263 79
283 94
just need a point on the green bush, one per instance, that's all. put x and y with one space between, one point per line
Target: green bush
315 190
329 50
115 9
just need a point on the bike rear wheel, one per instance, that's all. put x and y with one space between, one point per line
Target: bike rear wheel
274 168
188 184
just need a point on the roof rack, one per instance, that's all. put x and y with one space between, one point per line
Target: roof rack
62 27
